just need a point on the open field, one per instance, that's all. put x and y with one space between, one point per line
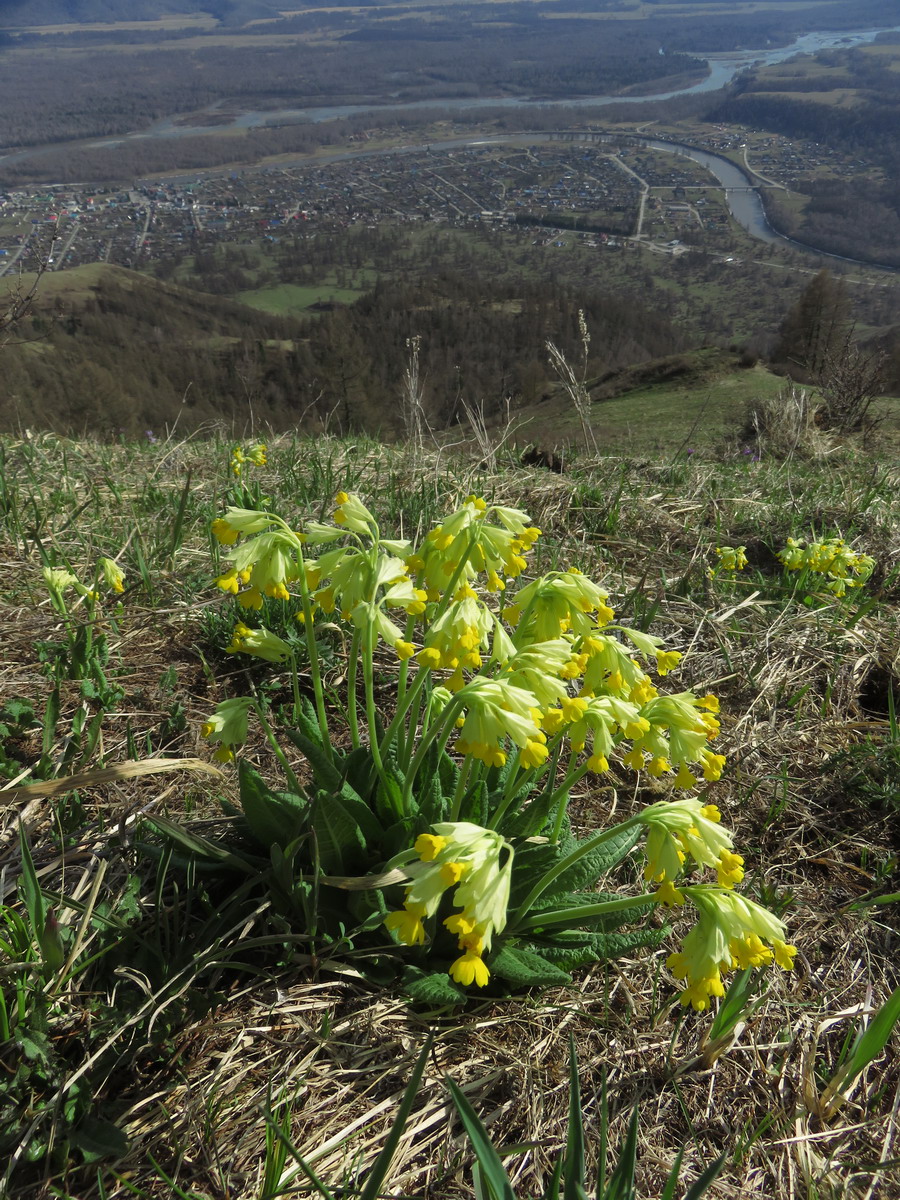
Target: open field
288 299
188 1019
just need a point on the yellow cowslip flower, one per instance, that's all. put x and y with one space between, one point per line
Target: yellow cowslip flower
113 575
730 869
243 520
227 727
258 642
429 845
537 668
257 454
832 558
495 710
677 828
597 724
366 615
476 862
533 754
667 893
731 558
407 924
271 560
610 668
731 931
666 661
784 954
224 534
458 634
713 765
59 580
229 582
352 514
680 729
252 598
470 968
651 648
559 602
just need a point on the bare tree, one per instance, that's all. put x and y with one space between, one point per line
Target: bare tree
849 382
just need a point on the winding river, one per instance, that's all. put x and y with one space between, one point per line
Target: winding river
722 69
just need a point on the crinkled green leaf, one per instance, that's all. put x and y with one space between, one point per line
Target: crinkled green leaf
325 772
274 818
594 866
526 968
340 842
569 949
98 1139
434 988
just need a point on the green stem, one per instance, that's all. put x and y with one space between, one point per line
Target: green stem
352 672
572 916
368 666
405 743
403 707
513 780
441 729
279 753
573 776
295 688
563 865
313 655
460 791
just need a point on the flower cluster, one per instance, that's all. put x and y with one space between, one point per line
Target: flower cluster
529 681
59 580
534 670
477 863
843 567
255 455
731 558
687 831
227 727
731 933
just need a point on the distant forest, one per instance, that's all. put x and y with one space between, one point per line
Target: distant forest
140 354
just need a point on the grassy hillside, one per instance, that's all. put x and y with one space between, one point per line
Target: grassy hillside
171 1030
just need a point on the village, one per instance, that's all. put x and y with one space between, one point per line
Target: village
605 192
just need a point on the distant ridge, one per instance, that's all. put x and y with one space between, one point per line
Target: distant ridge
18 13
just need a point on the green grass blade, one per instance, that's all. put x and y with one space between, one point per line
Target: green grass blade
698 1188
492 1172
734 1005
573 1170
621 1183
382 1163
31 889
867 1046
672 1181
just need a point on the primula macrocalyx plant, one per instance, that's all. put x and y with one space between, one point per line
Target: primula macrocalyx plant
475 694
841 568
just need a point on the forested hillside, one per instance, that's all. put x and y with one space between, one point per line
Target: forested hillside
131 353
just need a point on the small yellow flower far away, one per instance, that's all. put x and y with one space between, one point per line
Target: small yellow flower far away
731 558
113 575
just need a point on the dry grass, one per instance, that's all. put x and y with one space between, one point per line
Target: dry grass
799 685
